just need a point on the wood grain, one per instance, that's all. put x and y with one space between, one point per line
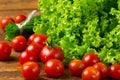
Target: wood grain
17 4
13 13
2 35
10 8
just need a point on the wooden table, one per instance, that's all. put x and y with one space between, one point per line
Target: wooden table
13 7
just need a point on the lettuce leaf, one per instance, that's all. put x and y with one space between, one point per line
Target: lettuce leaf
80 26
13 30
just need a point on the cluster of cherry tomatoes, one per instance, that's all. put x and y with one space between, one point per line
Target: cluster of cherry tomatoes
35 50
91 68
18 19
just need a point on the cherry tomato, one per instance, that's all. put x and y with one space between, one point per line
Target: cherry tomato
30 39
102 68
54 68
30 70
48 53
90 59
19 18
36 48
76 67
4 22
19 43
90 73
27 56
114 71
40 39
5 50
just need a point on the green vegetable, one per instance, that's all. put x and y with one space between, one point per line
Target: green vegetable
12 29
28 28
80 26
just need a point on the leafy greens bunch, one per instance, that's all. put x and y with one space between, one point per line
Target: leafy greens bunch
80 26
13 30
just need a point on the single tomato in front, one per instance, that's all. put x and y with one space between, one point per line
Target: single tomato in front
30 70
48 53
19 43
5 50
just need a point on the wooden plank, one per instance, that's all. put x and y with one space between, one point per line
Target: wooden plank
13 13
2 35
17 4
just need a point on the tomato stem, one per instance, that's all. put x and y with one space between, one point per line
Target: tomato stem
50 44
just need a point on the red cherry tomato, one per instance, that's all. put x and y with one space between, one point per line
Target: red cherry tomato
90 73
48 53
19 18
36 48
54 68
102 68
114 71
30 39
40 39
5 50
19 43
27 56
4 22
90 59
30 70
76 67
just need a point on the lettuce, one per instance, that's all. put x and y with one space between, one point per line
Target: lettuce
80 26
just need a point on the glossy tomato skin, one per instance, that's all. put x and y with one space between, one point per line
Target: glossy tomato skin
102 68
76 67
4 22
5 50
19 18
90 59
36 48
54 68
27 56
19 43
31 38
90 73
40 39
114 71
30 70
48 53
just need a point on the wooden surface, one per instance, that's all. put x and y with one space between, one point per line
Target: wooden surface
13 7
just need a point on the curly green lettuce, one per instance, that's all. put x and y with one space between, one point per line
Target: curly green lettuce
81 26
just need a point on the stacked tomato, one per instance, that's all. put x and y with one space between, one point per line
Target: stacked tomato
36 50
